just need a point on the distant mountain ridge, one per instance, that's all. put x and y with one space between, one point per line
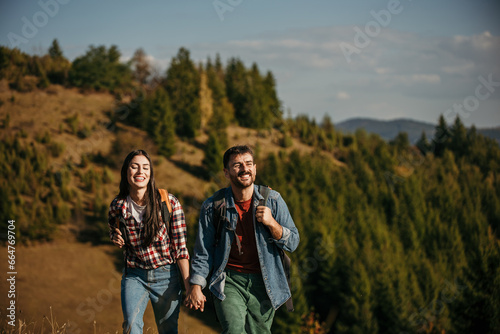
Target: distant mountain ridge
388 130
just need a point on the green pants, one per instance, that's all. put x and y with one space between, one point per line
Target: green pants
246 308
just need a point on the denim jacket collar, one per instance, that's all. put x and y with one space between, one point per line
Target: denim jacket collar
230 198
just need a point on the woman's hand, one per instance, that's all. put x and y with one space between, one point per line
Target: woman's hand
117 238
195 298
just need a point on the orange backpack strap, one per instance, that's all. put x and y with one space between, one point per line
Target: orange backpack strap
164 199
166 211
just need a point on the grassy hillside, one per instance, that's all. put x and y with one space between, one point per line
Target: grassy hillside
394 237
67 275
76 275
77 287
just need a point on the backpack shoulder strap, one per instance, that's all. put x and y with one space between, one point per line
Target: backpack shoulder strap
219 212
285 260
264 191
166 209
165 199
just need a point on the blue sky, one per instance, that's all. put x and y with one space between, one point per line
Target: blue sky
380 59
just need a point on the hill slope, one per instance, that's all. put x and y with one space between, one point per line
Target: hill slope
79 281
77 285
379 235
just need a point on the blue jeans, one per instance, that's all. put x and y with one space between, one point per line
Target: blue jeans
161 286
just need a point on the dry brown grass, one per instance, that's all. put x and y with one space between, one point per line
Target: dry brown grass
66 287
71 287
268 142
40 111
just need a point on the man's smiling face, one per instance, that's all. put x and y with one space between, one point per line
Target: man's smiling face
241 170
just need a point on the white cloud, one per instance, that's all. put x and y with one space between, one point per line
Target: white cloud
313 75
343 96
426 78
484 41
482 49
462 69
383 70
294 43
250 44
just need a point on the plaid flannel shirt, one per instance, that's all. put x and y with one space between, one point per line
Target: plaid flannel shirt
162 250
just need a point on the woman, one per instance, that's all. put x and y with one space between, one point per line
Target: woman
151 254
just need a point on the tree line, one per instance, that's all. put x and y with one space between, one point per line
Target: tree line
395 238
402 239
187 99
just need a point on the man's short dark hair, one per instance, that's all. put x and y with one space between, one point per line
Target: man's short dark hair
235 150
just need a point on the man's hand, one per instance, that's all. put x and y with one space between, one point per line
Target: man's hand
117 239
263 214
195 298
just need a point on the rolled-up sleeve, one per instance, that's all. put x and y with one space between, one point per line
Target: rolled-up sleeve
290 236
202 261
112 219
179 232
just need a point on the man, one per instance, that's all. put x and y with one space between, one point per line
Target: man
247 280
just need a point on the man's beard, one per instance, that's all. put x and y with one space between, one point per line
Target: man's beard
243 184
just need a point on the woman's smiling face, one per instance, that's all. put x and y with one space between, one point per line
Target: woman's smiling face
138 172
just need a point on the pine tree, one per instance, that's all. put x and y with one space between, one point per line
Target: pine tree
55 51
159 123
423 144
164 132
236 86
183 87
223 111
401 142
56 65
272 103
442 137
43 81
141 66
458 142
213 153
207 102
100 69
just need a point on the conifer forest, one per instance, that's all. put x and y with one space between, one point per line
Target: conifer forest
395 237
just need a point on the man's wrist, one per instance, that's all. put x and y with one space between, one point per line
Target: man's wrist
195 287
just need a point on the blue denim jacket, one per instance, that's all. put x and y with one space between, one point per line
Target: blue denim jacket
207 259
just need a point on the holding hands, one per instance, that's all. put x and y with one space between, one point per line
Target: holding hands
195 298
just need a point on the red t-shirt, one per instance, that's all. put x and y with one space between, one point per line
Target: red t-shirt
248 261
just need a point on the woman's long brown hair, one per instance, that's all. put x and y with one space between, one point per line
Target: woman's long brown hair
150 218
